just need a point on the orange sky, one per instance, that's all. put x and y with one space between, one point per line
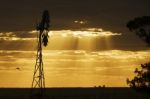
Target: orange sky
84 58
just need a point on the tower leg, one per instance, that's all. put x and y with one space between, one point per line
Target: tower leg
38 83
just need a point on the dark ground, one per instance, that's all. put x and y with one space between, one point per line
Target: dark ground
75 93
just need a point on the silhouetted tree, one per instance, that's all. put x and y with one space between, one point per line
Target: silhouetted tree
142 78
141 26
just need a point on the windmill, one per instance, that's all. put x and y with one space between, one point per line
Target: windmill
38 83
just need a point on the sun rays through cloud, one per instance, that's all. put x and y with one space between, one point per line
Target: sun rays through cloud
89 56
85 39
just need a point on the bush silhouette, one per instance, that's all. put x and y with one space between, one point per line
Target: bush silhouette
142 79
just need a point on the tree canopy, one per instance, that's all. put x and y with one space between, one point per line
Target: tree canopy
141 26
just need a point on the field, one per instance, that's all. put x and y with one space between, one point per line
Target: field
75 93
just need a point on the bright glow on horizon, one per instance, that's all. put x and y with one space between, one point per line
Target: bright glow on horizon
74 66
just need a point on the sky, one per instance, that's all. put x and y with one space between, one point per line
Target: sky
107 14
89 44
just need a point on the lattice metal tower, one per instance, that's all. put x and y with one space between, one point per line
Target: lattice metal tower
38 83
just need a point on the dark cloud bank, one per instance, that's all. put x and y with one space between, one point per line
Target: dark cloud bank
108 14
